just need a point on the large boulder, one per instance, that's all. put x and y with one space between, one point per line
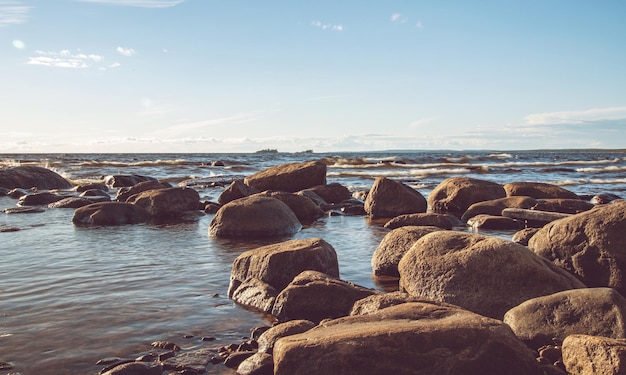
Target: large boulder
455 195
290 177
388 198
443 221
305 209
110 213
487 275
585 354
258 275
332 193
591 245
43 198
128 191
411 338
566 206
315 296
167 203
538 190
495 206
254 217
268 338
377 302
393 247
30 176
589 311
126 180
237 189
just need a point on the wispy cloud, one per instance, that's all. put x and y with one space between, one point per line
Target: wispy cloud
13 13
327 26
422 122
125 51
138 3
398 18
65 59
576 117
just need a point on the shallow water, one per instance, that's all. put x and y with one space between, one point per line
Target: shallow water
72 295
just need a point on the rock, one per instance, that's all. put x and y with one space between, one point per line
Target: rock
128 191
522 236
135 368
126 180
24 210
192 361
312 196
71 202
237 189
584 354
538 190
275 266
167 345
97 193
315 296
411 338
235 359
588 311
269 337
332 193
289 177
486 275
377 302
211 207
254 217
39 199
483 221
443 221
495 206
257 364
305 209
456 194
566 206
29 176
92 186
393 247
167 203
4 191
110 213
604 198
217 163
388 198
533 218
18 192
590 245
255 293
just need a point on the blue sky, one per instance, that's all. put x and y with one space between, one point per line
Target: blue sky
340 75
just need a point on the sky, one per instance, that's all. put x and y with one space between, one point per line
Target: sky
326 75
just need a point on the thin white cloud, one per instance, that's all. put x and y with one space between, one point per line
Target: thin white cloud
576 117
419 25
13 13
422 122
138 3
327 26
398 18
125 51
65 59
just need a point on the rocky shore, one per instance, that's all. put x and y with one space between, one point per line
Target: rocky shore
549 301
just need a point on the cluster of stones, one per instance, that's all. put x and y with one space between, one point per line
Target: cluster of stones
550 301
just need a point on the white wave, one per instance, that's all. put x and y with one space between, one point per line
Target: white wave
609 169
500 156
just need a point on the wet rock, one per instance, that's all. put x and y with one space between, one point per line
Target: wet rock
28 176
538 190
128 191
167 345
483 221
92 186
315 296
126 180
167 203
276 265
388 198
589 311
495 206
235 359
110 213
18 193
290 177
566 206
96 193
257 364
533 218
456 194
193 361
305 209
269 337
40 199
71 202
590 245
604 198
332 193
443 221
254 217
411 338
135 368
211 207
393 247
255 293
24 210
486 275
584 354
237 189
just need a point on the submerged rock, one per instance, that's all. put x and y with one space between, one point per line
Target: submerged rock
110 213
